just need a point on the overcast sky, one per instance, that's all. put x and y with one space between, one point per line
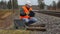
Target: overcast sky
35 2
48 2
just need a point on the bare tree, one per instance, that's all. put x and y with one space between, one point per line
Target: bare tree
9 5
54 5
40 3
58 4
15 4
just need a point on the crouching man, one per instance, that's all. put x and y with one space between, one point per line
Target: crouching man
27 15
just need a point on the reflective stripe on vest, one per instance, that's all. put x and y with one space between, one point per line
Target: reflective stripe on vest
26 11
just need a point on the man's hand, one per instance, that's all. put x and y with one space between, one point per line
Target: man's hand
27 13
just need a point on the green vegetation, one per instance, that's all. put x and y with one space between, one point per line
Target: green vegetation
14 32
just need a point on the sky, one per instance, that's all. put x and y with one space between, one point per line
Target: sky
48 2
35 2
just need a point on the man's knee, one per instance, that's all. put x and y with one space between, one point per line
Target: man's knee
33 19
25 20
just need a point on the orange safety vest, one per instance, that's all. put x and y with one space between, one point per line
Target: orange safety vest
26 11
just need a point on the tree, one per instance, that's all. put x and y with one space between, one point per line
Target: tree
42 5
9 5
58 4
3 5
54 5
15 4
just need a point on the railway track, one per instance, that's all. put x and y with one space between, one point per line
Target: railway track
19 24
46 20
52 13
40 27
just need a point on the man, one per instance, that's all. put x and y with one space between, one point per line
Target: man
27 15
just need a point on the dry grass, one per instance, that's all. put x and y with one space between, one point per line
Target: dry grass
3 12
3 15
14 32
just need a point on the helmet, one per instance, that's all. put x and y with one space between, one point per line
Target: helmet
29 3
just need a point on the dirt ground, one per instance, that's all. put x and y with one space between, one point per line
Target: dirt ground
52 23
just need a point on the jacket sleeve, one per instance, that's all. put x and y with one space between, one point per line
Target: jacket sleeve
22 13
32 14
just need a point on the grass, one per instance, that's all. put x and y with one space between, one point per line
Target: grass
14 32
2 13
